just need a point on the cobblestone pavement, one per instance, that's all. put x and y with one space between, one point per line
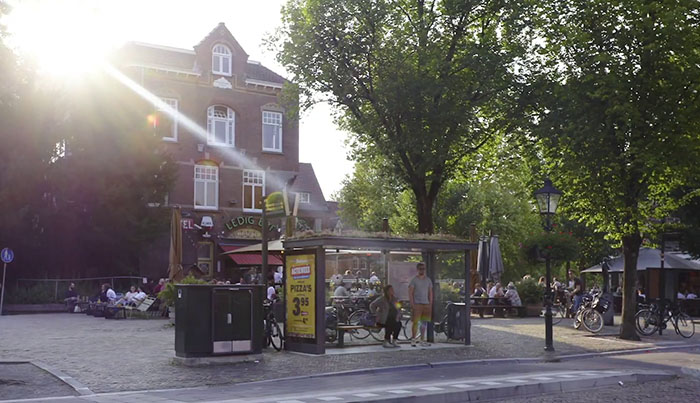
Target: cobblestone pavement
681 390
109 355
24 380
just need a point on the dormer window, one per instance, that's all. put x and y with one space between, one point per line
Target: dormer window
221 60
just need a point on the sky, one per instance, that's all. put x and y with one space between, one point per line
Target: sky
56 28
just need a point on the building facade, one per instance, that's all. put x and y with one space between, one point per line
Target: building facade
220 117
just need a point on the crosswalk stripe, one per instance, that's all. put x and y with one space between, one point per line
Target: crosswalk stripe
567 376
516 380
291 401
329 398
462 385
366 394
398 391
432 388
489 383
543 378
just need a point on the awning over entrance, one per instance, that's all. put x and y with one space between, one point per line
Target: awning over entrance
250 259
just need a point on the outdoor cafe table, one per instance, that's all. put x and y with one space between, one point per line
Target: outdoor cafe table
498 304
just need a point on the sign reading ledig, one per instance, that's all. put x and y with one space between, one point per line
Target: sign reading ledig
300 293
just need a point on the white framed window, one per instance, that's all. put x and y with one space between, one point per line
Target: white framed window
253 190
206 187
304 197
272 131
221 123
165 123
221 60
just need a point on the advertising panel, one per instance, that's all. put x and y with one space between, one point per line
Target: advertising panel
300 276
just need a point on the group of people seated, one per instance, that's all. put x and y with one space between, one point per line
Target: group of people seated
687 294
494 291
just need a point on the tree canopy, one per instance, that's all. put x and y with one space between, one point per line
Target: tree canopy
419 84
618 115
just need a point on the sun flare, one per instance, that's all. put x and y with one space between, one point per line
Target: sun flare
63 38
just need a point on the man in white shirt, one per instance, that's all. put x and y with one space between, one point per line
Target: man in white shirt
373 279
110 294
139 297
271 292
278 275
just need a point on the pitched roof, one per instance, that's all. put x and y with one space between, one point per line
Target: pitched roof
146 53
257 71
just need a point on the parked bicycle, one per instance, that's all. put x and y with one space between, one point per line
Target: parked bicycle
273 333
656 315
590 313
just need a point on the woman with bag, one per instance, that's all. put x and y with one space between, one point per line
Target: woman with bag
388 316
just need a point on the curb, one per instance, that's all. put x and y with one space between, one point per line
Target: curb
78 387
525 360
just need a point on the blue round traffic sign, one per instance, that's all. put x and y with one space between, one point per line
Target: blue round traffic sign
7 255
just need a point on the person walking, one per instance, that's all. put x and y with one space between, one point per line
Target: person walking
388 316
420 295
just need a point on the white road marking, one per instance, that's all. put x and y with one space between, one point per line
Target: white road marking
291 401
399 391
366 395
329 398
489 383
516 380
431 389
543 378
567 376
462 385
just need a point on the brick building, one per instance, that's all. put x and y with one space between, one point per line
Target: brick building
233 144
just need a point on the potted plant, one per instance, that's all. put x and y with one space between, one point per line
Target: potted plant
531 294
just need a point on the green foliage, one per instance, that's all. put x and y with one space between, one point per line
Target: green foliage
558 245
169 292
41 293
422 85
529 291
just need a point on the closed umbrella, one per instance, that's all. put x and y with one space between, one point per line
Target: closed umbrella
482 264
495 259
175 271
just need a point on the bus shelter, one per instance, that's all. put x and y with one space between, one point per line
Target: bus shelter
311 263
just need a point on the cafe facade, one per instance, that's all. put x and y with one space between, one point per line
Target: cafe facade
221 118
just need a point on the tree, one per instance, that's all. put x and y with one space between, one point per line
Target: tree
618 116
419 84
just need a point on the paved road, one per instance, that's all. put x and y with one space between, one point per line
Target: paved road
446 382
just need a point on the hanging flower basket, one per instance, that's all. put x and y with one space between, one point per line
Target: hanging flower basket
559 246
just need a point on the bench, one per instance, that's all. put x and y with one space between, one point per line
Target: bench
128 311
342 328
498 311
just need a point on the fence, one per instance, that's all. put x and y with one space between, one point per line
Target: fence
115 281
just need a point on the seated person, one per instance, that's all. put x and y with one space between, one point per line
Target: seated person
680 295
496 292
138 298
126 299
512 295
479 291
71 297
340 290
691 295
110 295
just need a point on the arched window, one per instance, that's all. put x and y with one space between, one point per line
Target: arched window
220 125
221 60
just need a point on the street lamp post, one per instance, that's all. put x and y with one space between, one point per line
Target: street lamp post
547 202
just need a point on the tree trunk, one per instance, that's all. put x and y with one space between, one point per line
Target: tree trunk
630 250
424 205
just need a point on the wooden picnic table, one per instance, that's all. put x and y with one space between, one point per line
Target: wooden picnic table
496 305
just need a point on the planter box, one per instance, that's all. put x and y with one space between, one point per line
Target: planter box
532 310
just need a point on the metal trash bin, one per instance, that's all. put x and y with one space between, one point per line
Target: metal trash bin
456 320
214 320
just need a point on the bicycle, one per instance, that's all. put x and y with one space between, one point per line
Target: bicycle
273 333
590 313
651 318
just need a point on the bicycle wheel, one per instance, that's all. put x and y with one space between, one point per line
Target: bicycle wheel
592 320
355 319
645 321
577 319
275 337
376 333
685 325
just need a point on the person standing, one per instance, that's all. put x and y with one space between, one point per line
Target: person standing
420 295
577 294
388 316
